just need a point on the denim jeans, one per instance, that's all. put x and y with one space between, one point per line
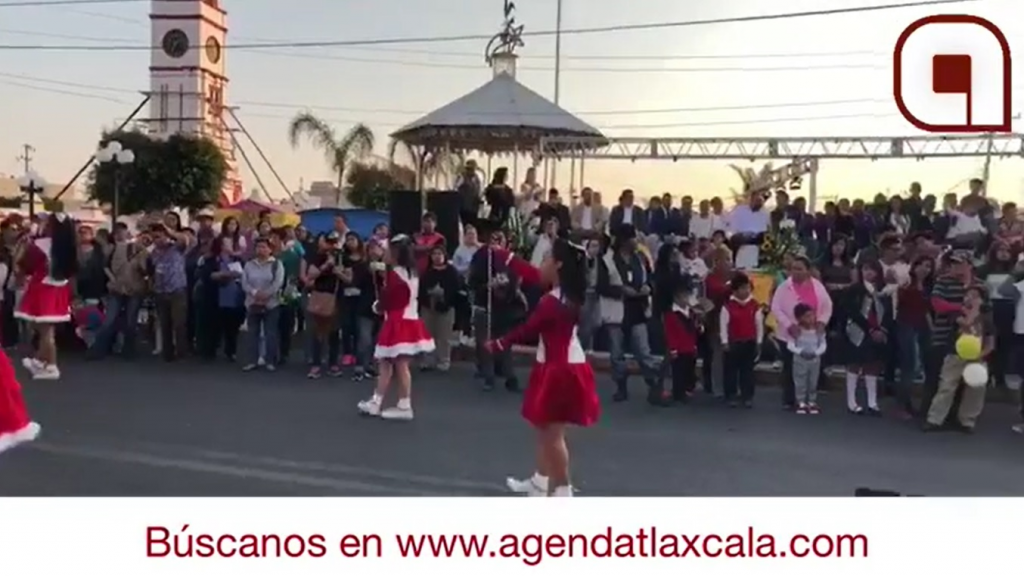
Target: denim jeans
317 342
910 342
365 342
122 315
262 322
636 339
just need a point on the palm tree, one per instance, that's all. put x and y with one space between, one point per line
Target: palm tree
356 144
751 179
429 163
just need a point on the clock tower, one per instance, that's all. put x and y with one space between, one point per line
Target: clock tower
188 84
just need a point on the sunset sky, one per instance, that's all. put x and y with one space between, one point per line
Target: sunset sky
823 76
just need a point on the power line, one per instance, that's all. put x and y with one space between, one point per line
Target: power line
477 66
44 3
478 55
540 33
604 127
622 112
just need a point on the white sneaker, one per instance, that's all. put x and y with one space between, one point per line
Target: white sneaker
369 407
32 365
562 492
48 372
27 434
535 485
397 413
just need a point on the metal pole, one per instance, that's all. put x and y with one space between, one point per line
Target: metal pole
32 200
558 52
117 199
93 157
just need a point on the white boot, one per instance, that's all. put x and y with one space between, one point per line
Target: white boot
401 411
535 485
47 372
562 492
370 407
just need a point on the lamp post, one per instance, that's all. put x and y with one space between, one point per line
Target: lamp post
31 184
119 156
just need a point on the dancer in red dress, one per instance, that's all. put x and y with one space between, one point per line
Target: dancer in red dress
561 391
49 262
402 336
15 425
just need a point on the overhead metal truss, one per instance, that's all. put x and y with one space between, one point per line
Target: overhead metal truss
870 148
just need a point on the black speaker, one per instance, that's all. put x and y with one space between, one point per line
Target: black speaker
445 205
405 208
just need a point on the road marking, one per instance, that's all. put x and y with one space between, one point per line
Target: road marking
343 487
248 460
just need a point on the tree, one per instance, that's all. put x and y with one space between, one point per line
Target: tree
752 180
182 171
432 162
369 185
340 152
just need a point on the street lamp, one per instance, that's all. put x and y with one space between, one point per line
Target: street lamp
31 184
114 153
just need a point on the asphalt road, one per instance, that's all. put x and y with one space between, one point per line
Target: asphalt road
191 429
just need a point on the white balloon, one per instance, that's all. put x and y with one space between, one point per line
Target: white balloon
976 375
114 146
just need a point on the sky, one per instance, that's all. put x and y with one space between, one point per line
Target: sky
791 72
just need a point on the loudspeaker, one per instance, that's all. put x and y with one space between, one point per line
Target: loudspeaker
405 208
445 205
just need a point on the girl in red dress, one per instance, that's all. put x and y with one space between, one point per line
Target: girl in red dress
402 335
15 425
49 262
561 391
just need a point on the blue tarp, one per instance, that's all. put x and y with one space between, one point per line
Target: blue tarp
360 220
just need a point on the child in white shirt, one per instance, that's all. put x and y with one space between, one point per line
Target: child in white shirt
807 347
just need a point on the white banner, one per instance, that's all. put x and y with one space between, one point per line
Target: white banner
499 536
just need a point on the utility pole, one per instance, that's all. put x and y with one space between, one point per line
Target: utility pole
26 156
987 170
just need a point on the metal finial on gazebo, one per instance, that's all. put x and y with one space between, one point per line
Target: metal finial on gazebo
500 53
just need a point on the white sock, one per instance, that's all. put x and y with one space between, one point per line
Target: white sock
377 398
539 481
404 404
851 390
871 384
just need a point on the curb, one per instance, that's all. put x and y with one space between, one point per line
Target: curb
768 374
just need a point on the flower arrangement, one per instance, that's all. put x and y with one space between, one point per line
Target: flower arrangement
778 244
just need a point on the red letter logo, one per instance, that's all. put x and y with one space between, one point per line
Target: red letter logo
951 73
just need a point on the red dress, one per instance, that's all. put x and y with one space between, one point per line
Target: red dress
561 388
15 425
46 300
403 333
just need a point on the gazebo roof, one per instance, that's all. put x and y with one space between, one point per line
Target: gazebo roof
500 116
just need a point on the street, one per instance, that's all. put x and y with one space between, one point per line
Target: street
189 429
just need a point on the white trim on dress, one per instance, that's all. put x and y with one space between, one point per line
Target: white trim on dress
405 349
42 319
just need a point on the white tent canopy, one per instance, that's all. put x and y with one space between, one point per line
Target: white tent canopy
500 116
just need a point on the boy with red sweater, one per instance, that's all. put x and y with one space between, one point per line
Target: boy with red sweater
741 327
682 331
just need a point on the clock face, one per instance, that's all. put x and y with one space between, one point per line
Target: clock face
175 43
213 50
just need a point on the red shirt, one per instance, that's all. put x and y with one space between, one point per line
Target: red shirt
913 307
681 332
716 288
426 240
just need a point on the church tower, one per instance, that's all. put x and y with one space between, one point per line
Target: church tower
188 83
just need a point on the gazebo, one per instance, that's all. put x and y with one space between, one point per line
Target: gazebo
502 117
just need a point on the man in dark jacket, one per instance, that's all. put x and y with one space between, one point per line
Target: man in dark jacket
497 307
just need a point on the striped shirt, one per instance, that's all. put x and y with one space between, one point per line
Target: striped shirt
952 290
